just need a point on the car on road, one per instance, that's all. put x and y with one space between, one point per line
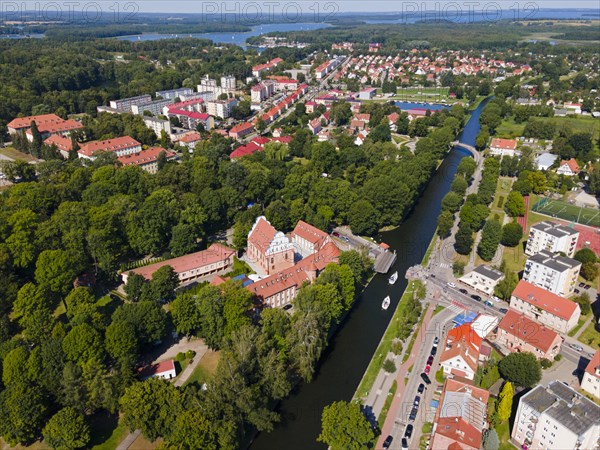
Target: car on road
503 310
579 348
427 369
463 291
430 360
288 306
345 239
476 297
409 431
413 414
577 291
433 350
425 378
586 287
581 284
436 341
417 400
335 234
421 387
488 303
388 441
496 299
452 285
404 444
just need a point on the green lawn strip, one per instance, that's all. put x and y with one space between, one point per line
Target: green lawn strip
591 336
503 431
580 323
439 375
386 406
13 153
414 335
437 309
508 129
383 349
205 369
99 427
429 250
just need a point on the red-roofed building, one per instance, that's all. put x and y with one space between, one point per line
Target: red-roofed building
503 147
462 352
163 369
205 264
315 126
269 248
147 159
460 419
591 376
63 144
190 140
245 150
47 124
545 307
242 130
309 239
568 168
517 333
258 69
122 146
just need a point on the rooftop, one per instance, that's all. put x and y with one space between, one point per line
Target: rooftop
489 272
554 229
546 300
593 368
527 330
109 145
555 262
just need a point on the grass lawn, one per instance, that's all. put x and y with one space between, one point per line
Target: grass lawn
439 375
414 336
580 323
578 123
429 250
437 309
205 369
106 431
591 336
387 404
13 153
503 431
508 129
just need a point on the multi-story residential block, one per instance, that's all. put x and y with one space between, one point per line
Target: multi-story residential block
270 249
147 159
555 273
517 333
483 279
460 419
221 108
172 94
122 146
125 104
228 83
208 84
262 91
154 107
158 125
556 417
462 352
206 264
190 140
555 312
591 377
551 236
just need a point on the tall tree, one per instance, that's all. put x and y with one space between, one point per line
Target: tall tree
490 238
345 427
505 402
67 430
523 369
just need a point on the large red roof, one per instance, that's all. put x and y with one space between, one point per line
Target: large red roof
546 300
527 330
594 364
309 233
25 122
262 234
62 143
145 156
109 145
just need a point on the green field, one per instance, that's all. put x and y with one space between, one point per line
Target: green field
566 211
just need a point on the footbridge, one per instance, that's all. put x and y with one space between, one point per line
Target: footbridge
469 148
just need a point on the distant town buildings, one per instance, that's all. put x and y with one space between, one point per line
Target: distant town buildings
556 417
121 146
125 104
258 70
147 159
262 91
47 124
553 237
173 94
545 307
203 265
555 273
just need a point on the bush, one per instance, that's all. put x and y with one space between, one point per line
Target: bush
190 354
500 201
180 357
490 440
389 366
458 268
558 357
545 363
396 347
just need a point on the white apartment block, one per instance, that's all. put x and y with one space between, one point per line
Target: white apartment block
228 83
155 107
220 108
172 94
556 417
158 125
555 273
262 91
125 104
553 237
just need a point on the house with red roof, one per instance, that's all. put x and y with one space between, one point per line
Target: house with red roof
189 140
503 147
122 146
538 304
260 68
461 417
568 168
315 126
147 159
271 250
462 352
163 369
517 333
241 130
308 239
591 376
47 124
63 144
204 265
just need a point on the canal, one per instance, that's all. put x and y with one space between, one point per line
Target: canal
350 350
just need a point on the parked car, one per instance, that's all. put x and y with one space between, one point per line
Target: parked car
388 441
413 414
579 348
581 284
425 378
452 285
336 234
586 287
433 350
463 291
404 444
345 239
496 299
577 291
417 400
430 360
427 369
409 431
421 388
476 297
488 303
503 310
436 341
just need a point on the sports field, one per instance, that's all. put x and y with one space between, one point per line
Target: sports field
567 211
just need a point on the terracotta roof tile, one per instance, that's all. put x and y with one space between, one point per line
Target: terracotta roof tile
546 300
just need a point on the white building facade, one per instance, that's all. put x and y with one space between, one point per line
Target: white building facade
553 237
557 274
